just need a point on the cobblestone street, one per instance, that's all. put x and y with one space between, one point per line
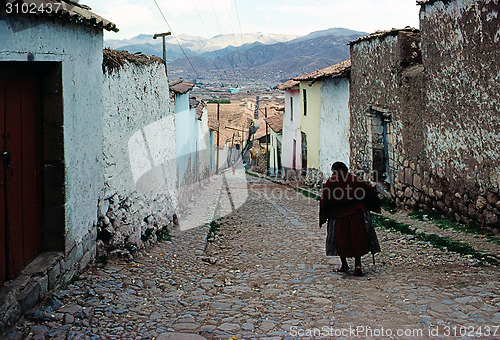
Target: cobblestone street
264 275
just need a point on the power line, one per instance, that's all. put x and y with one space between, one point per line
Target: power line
224 42
177 40
208 34
232 29
239 22
241 33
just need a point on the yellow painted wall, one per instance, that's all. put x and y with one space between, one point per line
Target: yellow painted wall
309 124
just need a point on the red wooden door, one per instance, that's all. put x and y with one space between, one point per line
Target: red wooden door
294 159
20 169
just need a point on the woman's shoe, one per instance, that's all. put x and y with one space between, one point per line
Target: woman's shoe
357 271
343 269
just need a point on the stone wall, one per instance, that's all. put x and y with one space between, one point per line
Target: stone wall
461 49
440 110
139 198
379 66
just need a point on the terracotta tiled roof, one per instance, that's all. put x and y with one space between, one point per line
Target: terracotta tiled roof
198 105
67 10
383 34
180 86
339 70
275 122
212 124
288 85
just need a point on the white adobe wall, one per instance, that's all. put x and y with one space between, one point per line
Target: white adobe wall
334 124
291 130
204 146
139 155
276 139
79 49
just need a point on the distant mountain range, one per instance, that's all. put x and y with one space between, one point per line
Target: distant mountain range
257 57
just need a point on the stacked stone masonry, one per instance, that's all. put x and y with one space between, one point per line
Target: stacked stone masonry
436 89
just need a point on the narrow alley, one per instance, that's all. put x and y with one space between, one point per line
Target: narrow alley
264 275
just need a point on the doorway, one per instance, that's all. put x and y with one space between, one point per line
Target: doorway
32 170
380 145
21 169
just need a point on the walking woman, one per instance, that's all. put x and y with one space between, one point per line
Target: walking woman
346 201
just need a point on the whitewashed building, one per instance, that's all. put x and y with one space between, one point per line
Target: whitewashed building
275 123
335 117
140 177
51 62
186 133
291 152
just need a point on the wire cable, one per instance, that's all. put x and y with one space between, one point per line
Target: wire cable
208 35
224 42
177 40
241 33
232 29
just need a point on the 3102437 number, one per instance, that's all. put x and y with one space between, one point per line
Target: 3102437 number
24 8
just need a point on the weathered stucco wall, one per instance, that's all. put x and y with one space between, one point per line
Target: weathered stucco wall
309 123
139 196
70 55
186 136
275 148
79 50
291 130
461 49
441 110
204 147
334 124
374 82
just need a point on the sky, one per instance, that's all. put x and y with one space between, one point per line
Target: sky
207 18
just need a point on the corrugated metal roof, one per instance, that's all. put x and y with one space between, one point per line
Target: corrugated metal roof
288 85
339 70
180 86
68 11
383 34
275 122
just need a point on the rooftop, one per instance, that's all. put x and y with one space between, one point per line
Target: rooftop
275 122
288 85
180 86
68 11
114 59
339 70
198 105
383 34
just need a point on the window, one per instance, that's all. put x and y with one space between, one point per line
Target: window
304 98
291 109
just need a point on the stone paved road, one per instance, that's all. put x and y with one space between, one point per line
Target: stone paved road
266 276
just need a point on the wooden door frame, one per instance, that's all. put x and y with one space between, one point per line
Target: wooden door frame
52 137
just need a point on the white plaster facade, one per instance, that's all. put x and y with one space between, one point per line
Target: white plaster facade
275 151
334 124
186 139
291 131
78 49
139 153
205 148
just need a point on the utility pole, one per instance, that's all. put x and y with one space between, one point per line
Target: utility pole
218 127
163 35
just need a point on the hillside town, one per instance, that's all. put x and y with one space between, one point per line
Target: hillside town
137 205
